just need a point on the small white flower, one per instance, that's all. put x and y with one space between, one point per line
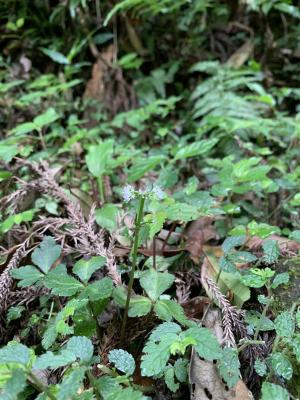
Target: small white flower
158 192
128 193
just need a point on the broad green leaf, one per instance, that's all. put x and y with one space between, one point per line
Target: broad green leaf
81 347
260 367
270 391
99 290
71 383
143 165
262 230
181 369
296 346
23 129
285 324
232 242
17 219
7 152
27 275
126 394
46 118
97 157
271 251
14 385
280 279
15 352
106 217
156 222
55 56
122 360
169 376
196 149
229 365
254 319
85 268
155 283
181 212
51 360
207 345
168 310
61 283
281 365
139 306
46 254
14 313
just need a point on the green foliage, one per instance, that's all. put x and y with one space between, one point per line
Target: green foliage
122 360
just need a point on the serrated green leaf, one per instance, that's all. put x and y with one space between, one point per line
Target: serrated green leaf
207 345
156 222
46 254
169 309
99 290
14 313
155 283
46 118
232 242
271 251
260 367
229 366
85 268
14 385
71 383
180 369
281 365
169 376
255 319
61 283
280 279
139 306
28 275
284 324
270 391
126 394
81 347
122 360
97 157
262 230
51 360
296 346
15 352
195 149
106 217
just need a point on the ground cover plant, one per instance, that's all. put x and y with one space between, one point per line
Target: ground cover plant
149 200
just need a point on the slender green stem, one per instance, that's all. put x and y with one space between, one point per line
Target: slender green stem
93 383
263 315
249 343
134 259
101 188
39 386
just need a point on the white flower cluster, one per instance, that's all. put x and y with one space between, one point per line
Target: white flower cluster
129 193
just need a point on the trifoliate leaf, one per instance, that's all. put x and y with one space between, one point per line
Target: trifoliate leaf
281 365
285 324
15 352
271 251
71 383
270 391
260 367
169 376
155 283
229 366
206 345
61 283
122 360
46 254
81 347
280 279
85 268
28 275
